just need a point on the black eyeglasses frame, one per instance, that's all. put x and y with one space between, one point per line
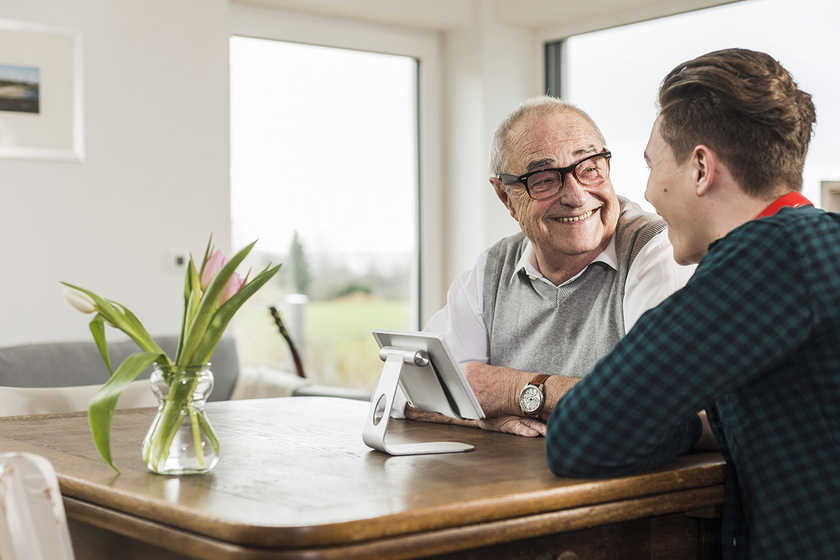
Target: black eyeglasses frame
514 179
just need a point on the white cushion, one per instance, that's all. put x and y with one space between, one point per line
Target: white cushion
264 382
16 401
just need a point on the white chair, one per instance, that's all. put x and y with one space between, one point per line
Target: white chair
33 525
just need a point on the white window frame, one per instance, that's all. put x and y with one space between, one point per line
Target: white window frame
424 46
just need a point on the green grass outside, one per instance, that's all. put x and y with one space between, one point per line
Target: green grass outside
339 343
338 347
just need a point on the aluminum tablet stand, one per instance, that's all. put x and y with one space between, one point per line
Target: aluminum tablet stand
377 419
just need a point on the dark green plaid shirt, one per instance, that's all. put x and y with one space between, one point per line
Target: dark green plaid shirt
754 339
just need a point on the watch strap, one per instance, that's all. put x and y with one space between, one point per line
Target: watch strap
539 380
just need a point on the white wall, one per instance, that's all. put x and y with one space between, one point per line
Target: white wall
155 180
489 69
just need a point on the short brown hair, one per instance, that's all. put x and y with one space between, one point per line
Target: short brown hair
747 108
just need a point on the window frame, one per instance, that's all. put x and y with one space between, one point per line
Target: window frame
554 53
428 286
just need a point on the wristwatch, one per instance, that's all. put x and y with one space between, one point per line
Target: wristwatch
532 396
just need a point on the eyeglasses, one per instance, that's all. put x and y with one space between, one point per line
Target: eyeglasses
545 183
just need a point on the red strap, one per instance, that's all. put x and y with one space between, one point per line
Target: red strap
794 200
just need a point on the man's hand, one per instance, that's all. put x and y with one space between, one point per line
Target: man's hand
517 425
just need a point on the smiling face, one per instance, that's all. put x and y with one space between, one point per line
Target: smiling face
573 227
670 190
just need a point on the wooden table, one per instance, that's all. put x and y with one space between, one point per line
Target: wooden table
296 481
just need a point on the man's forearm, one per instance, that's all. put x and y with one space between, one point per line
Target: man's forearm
497 389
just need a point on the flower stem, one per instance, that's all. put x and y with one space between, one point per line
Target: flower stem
196 432
179 388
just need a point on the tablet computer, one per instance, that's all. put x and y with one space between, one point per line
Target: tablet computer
439 386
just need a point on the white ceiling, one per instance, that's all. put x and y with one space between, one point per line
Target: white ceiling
530 14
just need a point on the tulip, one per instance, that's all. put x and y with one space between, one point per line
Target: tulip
234 284
79 300
211 268
204 322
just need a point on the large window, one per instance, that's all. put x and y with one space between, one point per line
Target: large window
324 171
614 75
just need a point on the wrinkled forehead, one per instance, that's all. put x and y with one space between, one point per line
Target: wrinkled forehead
558 138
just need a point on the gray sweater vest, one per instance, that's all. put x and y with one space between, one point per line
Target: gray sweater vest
565 330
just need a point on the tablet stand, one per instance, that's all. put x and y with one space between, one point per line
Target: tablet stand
377 419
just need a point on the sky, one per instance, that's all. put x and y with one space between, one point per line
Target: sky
20 73
323 142
614 75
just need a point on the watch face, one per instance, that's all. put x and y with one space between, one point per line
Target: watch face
530 399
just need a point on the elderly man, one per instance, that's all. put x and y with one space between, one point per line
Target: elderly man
558 296
753 338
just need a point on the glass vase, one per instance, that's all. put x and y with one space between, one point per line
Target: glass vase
181 439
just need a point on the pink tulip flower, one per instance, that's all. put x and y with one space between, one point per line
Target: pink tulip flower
211 268
234 284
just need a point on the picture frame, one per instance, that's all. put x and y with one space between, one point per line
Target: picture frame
41 92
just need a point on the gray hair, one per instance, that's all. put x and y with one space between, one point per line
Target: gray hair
541 105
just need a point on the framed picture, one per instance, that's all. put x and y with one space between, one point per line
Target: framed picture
41 105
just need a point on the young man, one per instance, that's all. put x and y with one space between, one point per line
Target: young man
753 338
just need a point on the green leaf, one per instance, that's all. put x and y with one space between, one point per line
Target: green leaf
207 253
192 299
225 313
120 317
149 343
185 313
104 402
97 329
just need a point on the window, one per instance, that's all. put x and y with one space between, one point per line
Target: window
324 171
615 74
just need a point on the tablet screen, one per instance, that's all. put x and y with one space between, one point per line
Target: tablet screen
438 387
